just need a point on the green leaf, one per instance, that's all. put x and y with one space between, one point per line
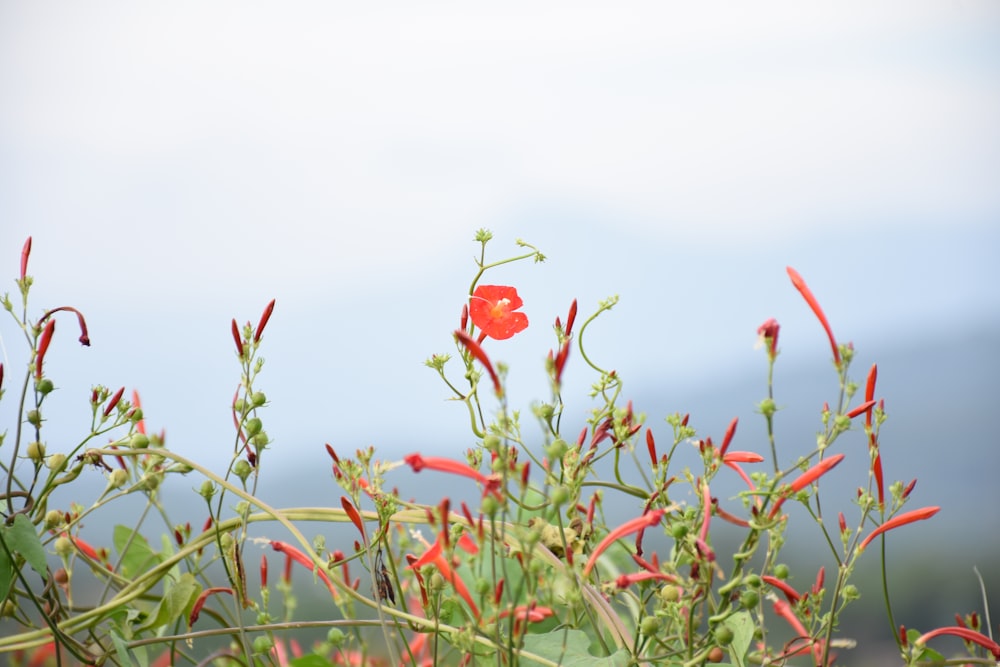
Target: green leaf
136 554
6 574
21 538
741 623
178 600
571 647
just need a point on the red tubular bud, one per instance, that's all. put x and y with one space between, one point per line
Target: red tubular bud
114 401
842 521
464 320
728 437
263 571
238 338
909 489
265 316
651 446
43 346
498 592
25 253
684 421
571 318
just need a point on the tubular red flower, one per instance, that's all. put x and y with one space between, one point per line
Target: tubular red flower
441 464
646 520
728 437
25 253
435 557
865 407
784 610
807 478
879 483
726 516
900 520
114 401
768 333
43 346
870 393
200 602
238 338
353 515
790 593
571 318
84 336
706 509
742 457
967 635
265 316
651 446
477 351
492 310
807 294
305 561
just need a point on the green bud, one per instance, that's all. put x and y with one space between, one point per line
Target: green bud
752 580
36 452
436 583
336 637
491 443
260 440
781 571
546 411
669 593
242 469
34 417
118 478
560 495
679 530
483 586
749 599
150 481
556 449
841 422
44 386
226 539
139 441
767 407
63 547
136 416
850 593
53 519
8 609
258 399
253 426
723 635
207 489
239 406
650 625
490 505
262 644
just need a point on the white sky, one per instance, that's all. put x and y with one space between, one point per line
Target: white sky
182 163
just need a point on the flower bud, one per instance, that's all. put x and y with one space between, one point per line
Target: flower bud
723 635
260 440
651 625
850 593
56 462
53 519
253 426
63 547
44 386
139 441
242 469
767 407
34 417
781 571
118 478
258 399
207 489
262 644
335 637
36 452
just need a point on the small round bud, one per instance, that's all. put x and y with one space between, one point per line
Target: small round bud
207 489
253 426
226 540
650 625
239 406
258 399
44 386
491 443
56 462
63 547
53 519
118 478
768 407
135 416
546 411
556 449
260 440
723 635
8 609
490 505
242 469
36 452
483 586
850 593
262 644
560 495
669 593
781 571
139 441
150 481
335 637
34 417
61 576
436 583
752 580
715 654
679 530
749 599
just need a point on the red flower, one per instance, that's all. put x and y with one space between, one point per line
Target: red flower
807 478
634 525
900 520
965 634
807 294
492 310
442 464
768 333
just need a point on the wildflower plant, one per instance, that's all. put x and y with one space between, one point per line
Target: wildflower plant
519 565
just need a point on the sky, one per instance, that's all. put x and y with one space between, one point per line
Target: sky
180 165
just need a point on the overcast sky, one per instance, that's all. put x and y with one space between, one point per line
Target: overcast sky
181 164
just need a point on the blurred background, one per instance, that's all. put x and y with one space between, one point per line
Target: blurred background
180 165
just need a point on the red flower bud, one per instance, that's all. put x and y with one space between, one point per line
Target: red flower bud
43 346
265 316
238 338
114 401
25 253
